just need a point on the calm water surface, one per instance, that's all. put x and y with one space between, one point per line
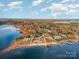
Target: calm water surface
7 34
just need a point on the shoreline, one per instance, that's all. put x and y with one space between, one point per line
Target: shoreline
15 45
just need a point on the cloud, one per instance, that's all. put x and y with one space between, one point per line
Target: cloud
54 7
55 14
72 11
49 1
72 5
12 5
15 5
64 1
44 9
1 5
38 2
60 8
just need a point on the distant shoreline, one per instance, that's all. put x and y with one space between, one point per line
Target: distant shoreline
6 19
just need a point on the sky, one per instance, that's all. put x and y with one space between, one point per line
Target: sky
39 9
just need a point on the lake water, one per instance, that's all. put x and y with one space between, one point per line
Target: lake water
64 51
7 34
